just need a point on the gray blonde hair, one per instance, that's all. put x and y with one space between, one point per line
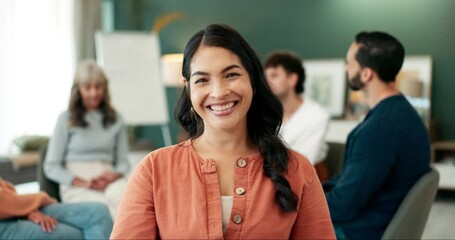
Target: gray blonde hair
88 70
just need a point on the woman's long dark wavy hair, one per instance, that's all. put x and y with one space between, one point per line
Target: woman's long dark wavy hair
87 71
263 118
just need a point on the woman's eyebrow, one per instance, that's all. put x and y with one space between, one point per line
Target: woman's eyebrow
222 71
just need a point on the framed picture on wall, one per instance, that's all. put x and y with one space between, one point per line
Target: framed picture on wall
414 81
326 84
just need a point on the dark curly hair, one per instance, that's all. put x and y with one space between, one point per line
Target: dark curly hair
291 63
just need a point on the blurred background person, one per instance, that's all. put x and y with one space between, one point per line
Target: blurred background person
87 154
304 121
38 216
386 153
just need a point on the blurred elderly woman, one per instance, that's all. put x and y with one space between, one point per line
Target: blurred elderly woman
87 154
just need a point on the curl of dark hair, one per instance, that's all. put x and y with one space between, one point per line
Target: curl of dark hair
291 63
263 118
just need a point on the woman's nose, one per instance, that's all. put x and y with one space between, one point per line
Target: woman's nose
220 90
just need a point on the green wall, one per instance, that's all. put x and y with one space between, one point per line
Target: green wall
313 29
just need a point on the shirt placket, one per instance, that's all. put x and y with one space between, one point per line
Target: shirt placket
237 218
215 229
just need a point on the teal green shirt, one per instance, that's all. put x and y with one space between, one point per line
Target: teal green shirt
94 142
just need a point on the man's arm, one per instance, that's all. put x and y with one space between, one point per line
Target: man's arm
369 160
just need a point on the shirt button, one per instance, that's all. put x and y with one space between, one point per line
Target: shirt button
241 163
237 219
240 191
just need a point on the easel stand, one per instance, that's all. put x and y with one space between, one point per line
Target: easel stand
166 135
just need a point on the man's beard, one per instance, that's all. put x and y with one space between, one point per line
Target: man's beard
355 83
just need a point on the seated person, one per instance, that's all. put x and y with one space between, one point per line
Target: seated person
304 121
38 216
386 153
87 154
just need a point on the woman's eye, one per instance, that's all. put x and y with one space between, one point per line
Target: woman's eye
200 80
232 75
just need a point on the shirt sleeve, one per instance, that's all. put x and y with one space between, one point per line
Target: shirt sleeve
136 216
310 143
313 218
121 152
369 162
53 164
14 205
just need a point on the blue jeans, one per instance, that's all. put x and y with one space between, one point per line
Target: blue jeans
75 221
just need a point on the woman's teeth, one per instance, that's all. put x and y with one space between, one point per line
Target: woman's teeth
220 108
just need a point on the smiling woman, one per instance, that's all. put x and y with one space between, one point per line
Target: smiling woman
234 178
220 90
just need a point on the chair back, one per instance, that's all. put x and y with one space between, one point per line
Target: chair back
335 157
45 184
411 217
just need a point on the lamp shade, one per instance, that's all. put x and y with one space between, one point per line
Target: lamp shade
171 69
412 87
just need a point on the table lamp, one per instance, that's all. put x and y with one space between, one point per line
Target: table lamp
171 69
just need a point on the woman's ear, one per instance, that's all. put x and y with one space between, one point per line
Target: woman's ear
185 82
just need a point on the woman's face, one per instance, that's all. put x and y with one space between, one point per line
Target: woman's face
220 89
92 94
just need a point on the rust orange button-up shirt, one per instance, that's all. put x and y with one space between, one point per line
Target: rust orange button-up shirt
174 194
15 205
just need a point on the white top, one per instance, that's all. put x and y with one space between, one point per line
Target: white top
226 208
304 132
